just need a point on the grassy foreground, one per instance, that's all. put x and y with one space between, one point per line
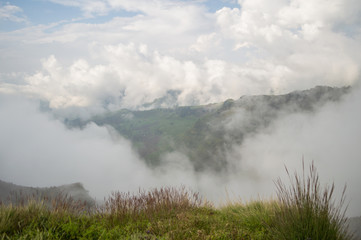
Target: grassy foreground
303 210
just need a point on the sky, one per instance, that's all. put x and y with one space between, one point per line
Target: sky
82 53
85 57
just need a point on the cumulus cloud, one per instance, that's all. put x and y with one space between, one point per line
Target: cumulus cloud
299 35
131 75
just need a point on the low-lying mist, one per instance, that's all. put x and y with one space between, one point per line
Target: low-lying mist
36 149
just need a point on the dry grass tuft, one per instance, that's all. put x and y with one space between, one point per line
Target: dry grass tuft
308 211
149 203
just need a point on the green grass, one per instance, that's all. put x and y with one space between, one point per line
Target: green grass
303 210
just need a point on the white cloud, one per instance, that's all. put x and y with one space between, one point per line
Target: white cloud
299 35
205 42
131 75
12 13
254 49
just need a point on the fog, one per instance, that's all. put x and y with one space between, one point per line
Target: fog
330 137
38 150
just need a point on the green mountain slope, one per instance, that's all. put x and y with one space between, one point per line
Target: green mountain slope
206 133
153 132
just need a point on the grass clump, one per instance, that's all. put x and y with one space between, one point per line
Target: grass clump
152 203
308 211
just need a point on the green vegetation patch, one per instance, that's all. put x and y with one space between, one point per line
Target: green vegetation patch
153 132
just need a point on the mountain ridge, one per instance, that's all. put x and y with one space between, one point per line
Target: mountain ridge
205 133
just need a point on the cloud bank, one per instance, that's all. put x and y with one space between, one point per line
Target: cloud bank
37 150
